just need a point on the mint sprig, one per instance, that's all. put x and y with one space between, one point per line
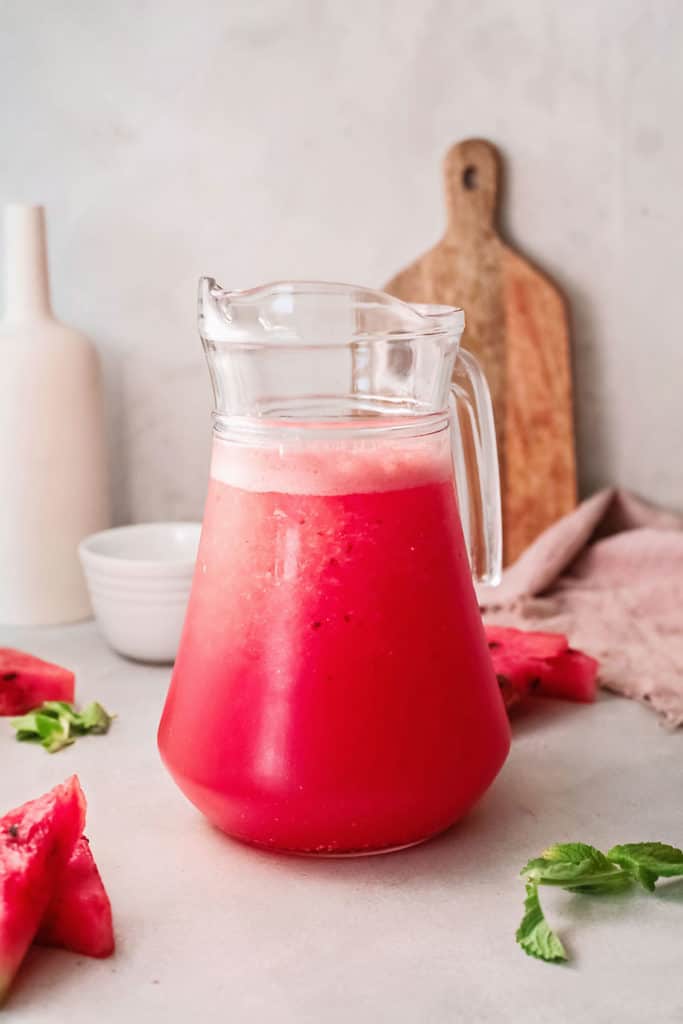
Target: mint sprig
534 934
56 724
647 862
578 867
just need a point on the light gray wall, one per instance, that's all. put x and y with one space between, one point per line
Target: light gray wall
259 139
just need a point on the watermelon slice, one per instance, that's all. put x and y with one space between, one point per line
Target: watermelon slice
529 662
26 681
518 642
36 843
571 676
79 915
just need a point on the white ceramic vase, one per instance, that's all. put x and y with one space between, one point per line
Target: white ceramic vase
53 462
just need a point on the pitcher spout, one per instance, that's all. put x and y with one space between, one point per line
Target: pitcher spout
317 351
319 314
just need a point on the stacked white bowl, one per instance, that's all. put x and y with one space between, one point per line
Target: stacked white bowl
139 581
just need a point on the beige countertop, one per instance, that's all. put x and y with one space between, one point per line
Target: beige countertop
210 930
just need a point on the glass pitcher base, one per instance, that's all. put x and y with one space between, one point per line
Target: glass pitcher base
327 853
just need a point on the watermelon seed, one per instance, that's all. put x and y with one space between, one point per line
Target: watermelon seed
13 831
9 676
493 644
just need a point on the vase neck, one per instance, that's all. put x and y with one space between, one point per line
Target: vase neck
27 292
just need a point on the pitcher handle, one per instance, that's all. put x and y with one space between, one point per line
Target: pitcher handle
475 459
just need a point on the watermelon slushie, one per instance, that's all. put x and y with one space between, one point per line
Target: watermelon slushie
333 692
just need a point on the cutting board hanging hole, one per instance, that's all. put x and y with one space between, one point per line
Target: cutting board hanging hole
472 174
469 177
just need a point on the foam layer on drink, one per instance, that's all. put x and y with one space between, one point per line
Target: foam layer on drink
362 465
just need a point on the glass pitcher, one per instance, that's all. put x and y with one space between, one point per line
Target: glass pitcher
333 692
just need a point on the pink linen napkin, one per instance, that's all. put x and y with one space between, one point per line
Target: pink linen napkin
610 576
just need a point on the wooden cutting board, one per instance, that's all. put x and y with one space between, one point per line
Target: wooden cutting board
516 325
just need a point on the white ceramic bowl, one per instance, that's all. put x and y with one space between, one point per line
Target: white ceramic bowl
139 582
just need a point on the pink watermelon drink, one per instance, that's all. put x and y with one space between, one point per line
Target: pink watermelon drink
333 692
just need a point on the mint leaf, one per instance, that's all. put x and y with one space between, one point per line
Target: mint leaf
55 724
578 867
95 719
52 733
534 934
26 726
57 709
58 736
648 861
